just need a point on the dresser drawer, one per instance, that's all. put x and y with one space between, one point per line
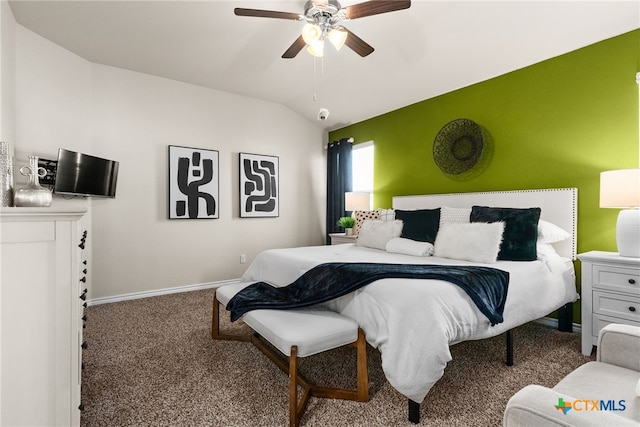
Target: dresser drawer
622 306
600 322
616 278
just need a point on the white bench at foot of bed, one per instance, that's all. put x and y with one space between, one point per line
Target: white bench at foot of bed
298 333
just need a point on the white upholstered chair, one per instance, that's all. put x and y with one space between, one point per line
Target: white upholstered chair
608 384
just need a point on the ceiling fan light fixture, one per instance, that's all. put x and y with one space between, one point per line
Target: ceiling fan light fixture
337 37
316 49
311 33
322 20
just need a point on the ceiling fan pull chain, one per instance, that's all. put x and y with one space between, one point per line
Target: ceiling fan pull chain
315 75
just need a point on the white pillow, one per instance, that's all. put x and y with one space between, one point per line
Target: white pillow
399 245
460 215
475 241
375 233
387 214
550 233
361 217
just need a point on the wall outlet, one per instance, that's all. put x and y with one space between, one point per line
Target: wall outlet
243 258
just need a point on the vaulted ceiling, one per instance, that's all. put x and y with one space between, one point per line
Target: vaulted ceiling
431 48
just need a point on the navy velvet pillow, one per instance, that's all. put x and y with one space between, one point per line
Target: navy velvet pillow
520 230
421 225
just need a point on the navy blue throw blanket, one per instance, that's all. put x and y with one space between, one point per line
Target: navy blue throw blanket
487 287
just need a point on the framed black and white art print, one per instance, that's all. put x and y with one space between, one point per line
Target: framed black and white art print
193 183
258 186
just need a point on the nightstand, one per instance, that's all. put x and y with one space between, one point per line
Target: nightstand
341 238
610 293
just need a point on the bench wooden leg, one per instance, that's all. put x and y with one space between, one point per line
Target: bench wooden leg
361 394
363 374
215 325
293 387
297 407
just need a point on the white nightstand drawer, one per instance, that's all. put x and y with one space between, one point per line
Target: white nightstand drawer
616 278
622 306
600 322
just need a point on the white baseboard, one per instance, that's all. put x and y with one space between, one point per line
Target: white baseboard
155 293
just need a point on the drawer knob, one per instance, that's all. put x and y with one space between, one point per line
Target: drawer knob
632 308
81 407
84 345
632 281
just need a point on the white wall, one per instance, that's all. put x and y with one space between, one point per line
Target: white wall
65 101
7 96
7 74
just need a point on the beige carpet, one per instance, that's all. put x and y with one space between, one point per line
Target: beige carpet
152 362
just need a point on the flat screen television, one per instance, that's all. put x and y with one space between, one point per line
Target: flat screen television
84 175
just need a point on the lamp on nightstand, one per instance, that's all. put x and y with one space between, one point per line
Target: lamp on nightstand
621 189
357 201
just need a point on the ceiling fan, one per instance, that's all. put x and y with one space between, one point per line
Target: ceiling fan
323 22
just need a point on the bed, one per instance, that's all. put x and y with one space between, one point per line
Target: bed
413 322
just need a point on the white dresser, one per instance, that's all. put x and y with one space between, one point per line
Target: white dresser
610 293
42 295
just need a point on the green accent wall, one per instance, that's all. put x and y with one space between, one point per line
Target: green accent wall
557 123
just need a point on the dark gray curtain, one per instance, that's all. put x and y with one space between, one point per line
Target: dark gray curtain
339 181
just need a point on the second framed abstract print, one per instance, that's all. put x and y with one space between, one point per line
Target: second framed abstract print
259 190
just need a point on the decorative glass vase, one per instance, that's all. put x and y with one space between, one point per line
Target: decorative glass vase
6 176
33 194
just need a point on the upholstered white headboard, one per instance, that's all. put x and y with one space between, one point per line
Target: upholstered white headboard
559 206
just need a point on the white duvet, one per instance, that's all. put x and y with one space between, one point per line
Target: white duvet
413 321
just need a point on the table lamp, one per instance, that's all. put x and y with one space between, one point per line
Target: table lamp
357 201
621 189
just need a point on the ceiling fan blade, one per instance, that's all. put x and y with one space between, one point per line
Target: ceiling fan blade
375 7
294 49
266 13
358 45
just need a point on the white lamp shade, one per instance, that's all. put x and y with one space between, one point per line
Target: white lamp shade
620 188
357 201
311 33
316 49
337 37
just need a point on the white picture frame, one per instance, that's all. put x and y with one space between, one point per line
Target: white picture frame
193 183
259 187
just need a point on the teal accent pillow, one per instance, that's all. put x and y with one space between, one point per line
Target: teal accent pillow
421 224
520 230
